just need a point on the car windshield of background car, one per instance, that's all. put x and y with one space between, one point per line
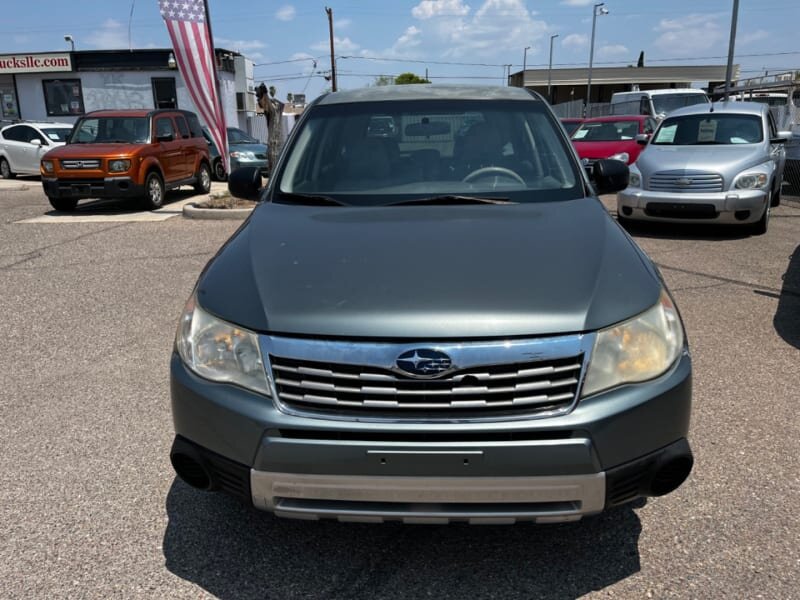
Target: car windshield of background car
607 131
666 103
237 136
710 129
377 153
100 130
56 134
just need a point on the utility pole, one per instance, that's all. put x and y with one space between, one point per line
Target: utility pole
731 46
333 57
550 70
603 11
524 63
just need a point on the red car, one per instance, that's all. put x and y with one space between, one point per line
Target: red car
611 137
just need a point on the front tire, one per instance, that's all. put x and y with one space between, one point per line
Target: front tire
203 179
219 170
153 191
63 204
5 169
760 227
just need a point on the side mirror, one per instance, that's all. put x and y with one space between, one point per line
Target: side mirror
245 183
610 176
165 138
781 138
642 138
36 142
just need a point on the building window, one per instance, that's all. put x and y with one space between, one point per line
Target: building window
164 94
63 97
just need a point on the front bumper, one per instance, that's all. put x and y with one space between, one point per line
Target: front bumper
732 207
607 450
98 187
261 165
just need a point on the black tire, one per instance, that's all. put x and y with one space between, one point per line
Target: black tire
776 196
760 227
5 170
153 191
219 170
202 183
63 204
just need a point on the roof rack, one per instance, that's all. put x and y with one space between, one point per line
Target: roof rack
778 81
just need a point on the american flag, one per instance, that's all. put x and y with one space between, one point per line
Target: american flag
191 40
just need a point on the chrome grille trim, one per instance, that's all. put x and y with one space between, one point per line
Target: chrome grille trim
85 163
685 181
494 380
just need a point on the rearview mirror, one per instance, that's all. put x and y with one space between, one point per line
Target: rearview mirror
642 138
427 129
610 176
782 137
167 137
245 183
36 142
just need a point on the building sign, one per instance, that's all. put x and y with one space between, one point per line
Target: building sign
35 63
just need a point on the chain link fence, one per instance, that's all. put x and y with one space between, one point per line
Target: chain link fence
574 109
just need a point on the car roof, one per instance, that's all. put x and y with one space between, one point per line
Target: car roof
617 118
48 124
428 92
730 107
134 112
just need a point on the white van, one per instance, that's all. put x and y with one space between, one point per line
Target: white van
656 103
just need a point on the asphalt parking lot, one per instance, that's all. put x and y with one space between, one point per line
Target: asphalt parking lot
90 507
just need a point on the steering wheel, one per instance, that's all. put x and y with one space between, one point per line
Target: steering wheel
484 171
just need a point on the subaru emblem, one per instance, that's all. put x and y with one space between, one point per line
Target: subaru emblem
424 362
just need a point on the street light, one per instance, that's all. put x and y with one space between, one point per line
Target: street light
524 63
550 69
507 68
71 40
598 9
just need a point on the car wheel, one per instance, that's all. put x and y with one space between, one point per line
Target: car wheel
5 169
63 204
776 196
760 227
219 171
202 183
153 191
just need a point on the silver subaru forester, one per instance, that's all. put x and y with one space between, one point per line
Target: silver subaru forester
721 163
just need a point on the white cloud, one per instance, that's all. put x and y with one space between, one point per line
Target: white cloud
427 9
612 50
689 35
285 13
410 38
342 23
755 36
578 2
575 41
111 35
341 45
240 45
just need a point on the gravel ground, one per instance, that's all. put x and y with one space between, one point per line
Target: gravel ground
90 507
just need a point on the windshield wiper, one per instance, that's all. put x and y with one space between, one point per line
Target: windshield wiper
451 199
308 199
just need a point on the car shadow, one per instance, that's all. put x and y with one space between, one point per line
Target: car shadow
685 231
787 317
120 206
234 551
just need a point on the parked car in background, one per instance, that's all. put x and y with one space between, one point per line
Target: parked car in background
611 137
441 325
719 164
656 103
136 154
23 144
244 149
570 124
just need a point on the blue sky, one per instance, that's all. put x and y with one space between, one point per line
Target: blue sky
388 37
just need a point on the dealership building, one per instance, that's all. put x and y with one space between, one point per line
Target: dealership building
61 86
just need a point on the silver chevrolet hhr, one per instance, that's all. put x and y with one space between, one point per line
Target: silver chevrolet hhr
722 163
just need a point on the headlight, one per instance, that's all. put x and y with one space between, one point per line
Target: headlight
622 156
634 179
243 155
751 181
220 351
636 350
47 166
119 166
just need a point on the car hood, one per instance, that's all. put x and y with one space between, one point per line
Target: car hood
727 159
596 150
255 148
428 272
93 150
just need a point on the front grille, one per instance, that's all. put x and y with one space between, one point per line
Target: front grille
261 156
86 163
685 181
534 387
680 210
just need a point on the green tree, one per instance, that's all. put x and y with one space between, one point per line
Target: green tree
382 80
406 78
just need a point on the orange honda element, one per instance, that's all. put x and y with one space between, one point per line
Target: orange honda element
137 154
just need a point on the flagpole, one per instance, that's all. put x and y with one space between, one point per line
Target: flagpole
213 51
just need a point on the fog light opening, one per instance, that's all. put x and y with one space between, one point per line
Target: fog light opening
191 471
742 215
627 211
671 474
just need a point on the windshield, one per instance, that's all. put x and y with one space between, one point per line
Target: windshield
107 130
237 136
56 134
374 153
606 131
666 103
711 128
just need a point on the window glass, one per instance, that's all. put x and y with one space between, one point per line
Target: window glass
194 125
710 128
14 134
56 134
182 127
607 131
125 130
63 97
370 153
164 127
237 136
666 103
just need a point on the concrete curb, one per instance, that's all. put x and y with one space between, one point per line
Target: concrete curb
192 211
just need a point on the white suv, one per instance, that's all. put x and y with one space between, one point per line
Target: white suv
22 146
